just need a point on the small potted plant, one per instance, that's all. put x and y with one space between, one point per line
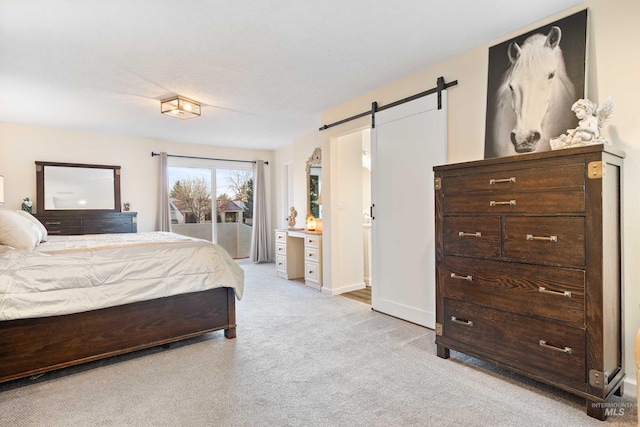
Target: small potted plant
27 205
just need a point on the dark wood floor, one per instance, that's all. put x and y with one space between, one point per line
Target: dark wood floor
361 295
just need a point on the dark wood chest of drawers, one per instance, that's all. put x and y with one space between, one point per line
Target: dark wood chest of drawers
528 267
66 223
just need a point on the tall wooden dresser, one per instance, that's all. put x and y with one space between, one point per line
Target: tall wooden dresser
528 267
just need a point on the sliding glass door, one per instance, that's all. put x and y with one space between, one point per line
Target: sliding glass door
234 210
204 193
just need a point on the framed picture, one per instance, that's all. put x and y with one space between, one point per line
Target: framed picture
533 81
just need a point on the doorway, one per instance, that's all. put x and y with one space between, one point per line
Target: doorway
354 200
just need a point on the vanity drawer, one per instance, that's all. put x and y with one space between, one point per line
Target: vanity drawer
568 200
281 263
544 348
281 237
311 241
565 176
556 240
311 254
549 292
472 236
311 271
281 248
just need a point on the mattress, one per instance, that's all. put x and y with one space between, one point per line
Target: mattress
71 274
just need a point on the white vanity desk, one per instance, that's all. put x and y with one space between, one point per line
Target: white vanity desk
299 255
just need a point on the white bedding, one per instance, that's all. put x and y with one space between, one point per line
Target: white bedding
71 274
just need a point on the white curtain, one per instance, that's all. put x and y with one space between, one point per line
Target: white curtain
165 214
260 233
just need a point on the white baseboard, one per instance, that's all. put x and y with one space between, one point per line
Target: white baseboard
405 312
343 289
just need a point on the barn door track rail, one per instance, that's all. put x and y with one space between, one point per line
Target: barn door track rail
440 86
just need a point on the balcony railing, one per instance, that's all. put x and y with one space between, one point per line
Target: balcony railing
234 237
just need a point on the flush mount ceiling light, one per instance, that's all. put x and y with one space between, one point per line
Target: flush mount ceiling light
180 107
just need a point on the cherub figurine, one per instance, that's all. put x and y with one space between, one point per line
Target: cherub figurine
590 122
292 217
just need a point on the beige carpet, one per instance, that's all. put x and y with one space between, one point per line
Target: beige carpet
301 359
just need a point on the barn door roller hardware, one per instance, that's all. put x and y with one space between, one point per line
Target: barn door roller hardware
440 86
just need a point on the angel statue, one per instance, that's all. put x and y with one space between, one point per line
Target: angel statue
292 217
591 120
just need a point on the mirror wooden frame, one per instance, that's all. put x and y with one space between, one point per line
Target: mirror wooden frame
41 184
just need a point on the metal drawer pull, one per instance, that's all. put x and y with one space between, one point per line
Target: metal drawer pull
455 276
476 234
510 203
566 294
52 222
546 239
544 344
454 319
497 181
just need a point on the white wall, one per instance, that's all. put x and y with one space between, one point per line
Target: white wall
613 70
21 146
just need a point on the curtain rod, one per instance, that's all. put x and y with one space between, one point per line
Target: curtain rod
153 154
441 85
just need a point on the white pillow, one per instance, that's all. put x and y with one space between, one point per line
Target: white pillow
42 231
17 231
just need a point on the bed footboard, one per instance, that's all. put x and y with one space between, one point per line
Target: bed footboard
33 346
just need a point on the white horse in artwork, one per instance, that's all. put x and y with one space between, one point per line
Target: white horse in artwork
534 98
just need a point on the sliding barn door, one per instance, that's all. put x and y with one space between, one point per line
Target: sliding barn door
407 141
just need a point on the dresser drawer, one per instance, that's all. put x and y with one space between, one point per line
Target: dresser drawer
281 237
472 236
547 349
107 222
106 225
565 176
557 240
107 229
281 263
570 200
64 226
281 248
550 292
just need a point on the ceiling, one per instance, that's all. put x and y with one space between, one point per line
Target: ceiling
263 69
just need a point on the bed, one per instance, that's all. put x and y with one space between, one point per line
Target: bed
68 300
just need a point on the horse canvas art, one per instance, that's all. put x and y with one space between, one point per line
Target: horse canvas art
530 102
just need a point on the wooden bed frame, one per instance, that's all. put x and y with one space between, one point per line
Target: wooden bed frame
33 346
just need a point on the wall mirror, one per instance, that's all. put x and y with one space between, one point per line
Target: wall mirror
314 184
77 187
